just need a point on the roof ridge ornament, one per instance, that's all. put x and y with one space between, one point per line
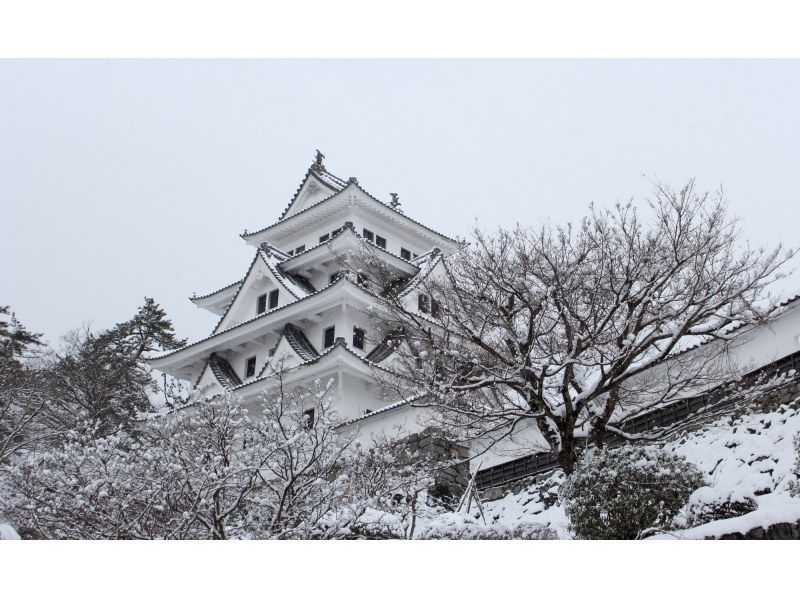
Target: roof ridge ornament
318 158
395 200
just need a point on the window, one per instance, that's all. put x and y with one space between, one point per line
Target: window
361 279
309 418
300 249
358 338
336 232
273 298
328 337
369 235
250 367
380 241
261 304
435 309
324 238
422 303
405 253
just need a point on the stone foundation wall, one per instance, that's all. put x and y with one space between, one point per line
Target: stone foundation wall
450 480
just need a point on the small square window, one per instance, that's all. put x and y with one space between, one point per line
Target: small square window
361 279
273 298
369 235
329 337
250 367
300 249
324 238
405 253
422 303
380 241
308 416
358 338
436 310
261 304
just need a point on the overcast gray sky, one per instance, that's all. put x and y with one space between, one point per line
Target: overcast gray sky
120 179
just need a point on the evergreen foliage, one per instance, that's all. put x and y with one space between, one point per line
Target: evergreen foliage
617 494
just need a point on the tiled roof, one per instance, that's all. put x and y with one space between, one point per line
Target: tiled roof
253 319
298 286
389 407
301 281
348 226
320 356
426 266
225 288
281 220
383 350
333 182
299 342
223 371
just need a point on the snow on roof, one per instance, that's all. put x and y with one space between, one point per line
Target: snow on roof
350 229
376 412
354 182
299 342
339 344
318 171
426 264
225 288
339 280
223 371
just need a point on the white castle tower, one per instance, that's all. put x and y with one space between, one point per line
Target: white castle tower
295 302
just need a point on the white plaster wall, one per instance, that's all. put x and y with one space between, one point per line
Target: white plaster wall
392 424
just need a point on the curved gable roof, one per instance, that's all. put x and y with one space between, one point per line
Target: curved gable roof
315 173
297 289
388 210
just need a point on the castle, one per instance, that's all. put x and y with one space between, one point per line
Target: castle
301 304
303 308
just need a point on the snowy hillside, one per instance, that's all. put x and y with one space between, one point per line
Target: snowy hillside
751 456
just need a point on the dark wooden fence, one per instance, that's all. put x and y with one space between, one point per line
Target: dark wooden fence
680 411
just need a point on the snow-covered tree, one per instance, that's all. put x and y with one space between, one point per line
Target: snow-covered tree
101 377
23 387
24 397
572 329
183 476
211 471
15 340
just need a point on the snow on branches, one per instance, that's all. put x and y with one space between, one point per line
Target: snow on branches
571 328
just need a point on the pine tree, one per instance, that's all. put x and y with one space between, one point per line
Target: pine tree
15 339
103 377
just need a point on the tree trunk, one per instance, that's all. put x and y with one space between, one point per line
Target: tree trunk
567 459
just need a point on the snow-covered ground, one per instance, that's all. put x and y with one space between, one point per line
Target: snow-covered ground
749 456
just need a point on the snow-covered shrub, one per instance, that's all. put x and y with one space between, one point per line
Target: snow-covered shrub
461 526
617 494
710 504
534 531
795 489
